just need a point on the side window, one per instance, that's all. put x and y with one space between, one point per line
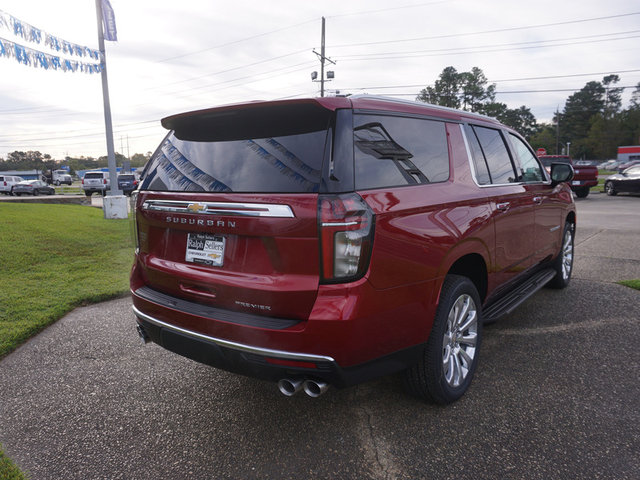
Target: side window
530 168
496 154
482 171
396 151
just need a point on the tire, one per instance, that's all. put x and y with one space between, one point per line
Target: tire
88 194
17 194
563 264
610 189
35 192
582 192
57 183
450 358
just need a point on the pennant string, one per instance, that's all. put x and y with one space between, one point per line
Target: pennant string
32 34
38 59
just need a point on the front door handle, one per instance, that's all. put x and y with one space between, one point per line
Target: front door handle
537 200
503 207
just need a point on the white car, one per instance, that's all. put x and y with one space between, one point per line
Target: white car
7 182
95 181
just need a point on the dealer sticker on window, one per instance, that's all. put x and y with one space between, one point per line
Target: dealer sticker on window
205 249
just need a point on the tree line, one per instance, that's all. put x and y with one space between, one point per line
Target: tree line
593 119
35 160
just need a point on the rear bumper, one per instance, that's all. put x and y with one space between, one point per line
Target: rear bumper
266 348
583 183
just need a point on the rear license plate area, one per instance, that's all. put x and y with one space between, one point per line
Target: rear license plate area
205 249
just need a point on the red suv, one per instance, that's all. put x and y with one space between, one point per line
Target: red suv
329 241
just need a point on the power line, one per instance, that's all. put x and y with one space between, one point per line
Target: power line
470 50
495 45
484 32
234 42
546 77
404 7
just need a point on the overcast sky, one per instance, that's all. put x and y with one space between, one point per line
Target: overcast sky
174 56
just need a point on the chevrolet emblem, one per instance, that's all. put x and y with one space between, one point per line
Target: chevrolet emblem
196 207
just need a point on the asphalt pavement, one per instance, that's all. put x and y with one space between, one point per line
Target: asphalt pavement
556 396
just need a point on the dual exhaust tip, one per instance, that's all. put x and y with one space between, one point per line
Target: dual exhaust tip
287 386
313 388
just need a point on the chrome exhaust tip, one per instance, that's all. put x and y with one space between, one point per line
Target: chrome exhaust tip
289 387
144 337
315 388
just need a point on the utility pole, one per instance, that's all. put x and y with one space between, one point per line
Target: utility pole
558 130
107 107
323 58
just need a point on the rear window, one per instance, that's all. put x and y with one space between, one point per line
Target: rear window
126 178
93 175
261 150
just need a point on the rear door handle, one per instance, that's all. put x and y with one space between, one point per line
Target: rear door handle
537 200
503 207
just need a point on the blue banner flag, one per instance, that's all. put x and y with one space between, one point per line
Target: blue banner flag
109 21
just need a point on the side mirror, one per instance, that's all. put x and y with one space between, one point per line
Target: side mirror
560 173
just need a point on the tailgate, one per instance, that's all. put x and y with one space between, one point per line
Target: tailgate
243 252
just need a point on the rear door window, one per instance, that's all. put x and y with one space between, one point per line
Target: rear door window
496 155
396 151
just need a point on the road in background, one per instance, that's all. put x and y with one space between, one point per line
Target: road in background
556 396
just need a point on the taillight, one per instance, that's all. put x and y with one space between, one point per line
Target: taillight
104 180
133 221
346 236
83 181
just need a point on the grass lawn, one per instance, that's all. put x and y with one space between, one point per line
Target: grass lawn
631 283
53 259
8 470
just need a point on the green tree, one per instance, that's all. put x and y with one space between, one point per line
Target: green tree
446 90
466 90
613 95
471 91
577 117
545 137
475 93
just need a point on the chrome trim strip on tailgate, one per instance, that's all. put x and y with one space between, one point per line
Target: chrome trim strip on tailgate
220 208
302 357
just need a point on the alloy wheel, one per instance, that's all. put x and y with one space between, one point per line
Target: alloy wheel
567 253
459 342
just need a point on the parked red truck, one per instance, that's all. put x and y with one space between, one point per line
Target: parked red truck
585 176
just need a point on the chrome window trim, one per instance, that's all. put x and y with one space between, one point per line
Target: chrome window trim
220 208
302 357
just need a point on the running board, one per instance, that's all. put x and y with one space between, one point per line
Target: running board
515 297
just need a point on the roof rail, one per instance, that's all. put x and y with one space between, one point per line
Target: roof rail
383 98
